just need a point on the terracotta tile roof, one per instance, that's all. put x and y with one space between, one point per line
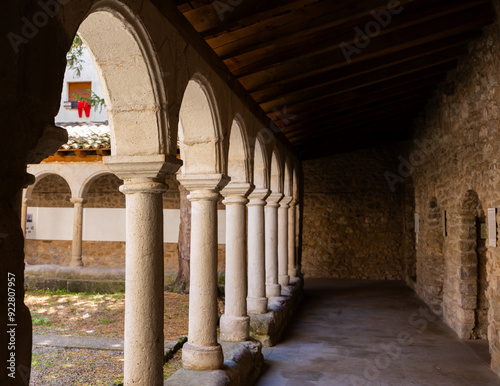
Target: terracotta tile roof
86 135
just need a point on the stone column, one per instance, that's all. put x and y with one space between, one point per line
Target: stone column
257 300
24 214
144 186
235 323
292 266
271 225
283 278
202 352
76 249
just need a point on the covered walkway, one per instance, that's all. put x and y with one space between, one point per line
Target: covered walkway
352 332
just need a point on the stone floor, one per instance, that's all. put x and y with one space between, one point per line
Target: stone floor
350 332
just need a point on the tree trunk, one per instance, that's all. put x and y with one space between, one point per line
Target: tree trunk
181 283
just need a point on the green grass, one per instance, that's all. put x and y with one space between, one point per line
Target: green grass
44 321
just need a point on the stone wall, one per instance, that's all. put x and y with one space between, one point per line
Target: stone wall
352 222
98 254
51 192
455 171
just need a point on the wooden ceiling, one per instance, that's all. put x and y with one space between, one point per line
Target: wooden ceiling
326 89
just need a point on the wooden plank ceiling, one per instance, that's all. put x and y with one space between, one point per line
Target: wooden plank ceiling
326 89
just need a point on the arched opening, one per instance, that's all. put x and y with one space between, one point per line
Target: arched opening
238 157
259 166
276 173
129 73
199 137
49 221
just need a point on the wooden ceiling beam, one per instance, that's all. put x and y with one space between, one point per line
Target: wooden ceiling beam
298 23
337 87
303 81
217 17
411 25
373 92
379 47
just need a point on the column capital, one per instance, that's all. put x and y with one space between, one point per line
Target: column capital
258 194
143 167
274 198
78 200
143 186
203 186
207 182
285 201
236 192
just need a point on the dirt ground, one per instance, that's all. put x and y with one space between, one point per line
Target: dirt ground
97 315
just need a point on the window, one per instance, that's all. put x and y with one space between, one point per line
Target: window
82 89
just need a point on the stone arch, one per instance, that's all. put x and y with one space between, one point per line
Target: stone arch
239 157
199 132
130 75
28 192
89 180
276 172
260 175
472 282
288 178
103 192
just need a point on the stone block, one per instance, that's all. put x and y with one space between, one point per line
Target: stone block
468 288
468 302
468 273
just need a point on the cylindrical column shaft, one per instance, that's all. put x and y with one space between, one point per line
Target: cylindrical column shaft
292 268
24 215
271 225
257 300
144 284
76 246
283 278
234 324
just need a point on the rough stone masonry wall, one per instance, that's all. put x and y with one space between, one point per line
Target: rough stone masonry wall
53 192
455 168
353 222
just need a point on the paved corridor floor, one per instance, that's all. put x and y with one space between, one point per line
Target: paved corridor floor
351 332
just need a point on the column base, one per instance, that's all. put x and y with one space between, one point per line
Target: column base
273 290
234 328
202 358
292 273
76 262
284 280
256 305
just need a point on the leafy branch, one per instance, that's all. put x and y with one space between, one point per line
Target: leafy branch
74 56
94 100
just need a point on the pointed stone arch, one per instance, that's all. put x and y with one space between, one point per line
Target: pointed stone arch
276 170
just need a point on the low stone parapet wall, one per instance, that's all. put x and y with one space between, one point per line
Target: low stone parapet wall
269 327
80 279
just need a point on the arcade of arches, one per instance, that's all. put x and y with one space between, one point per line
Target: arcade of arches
418 210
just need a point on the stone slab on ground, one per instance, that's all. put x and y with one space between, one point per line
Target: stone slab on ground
243 363
269 327
83 342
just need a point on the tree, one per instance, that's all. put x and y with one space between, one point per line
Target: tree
74 56
181 283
